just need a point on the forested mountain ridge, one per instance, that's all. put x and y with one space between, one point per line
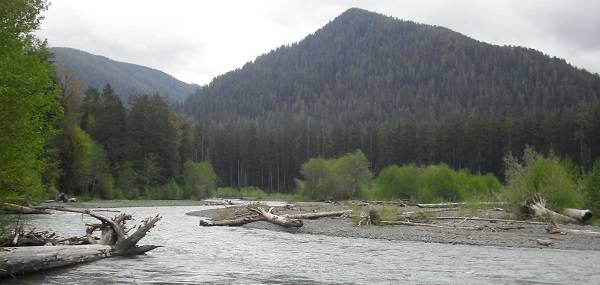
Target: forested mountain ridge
125 78
364 66
402 92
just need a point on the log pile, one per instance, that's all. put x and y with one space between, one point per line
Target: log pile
258 213
53 251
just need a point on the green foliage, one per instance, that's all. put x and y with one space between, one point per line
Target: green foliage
169 191
28 102
434 183
591 189
336 179
126 181
395 182
549 176
152 141
437 183
200 180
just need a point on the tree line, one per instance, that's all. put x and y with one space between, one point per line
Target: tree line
269 154
109 150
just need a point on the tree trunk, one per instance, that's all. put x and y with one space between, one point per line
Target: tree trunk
292 220
452 205
113 241
580 215
554 228
20 260
489 220
539 210
17 209
312 216
283 221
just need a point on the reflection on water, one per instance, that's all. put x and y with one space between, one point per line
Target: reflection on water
220 255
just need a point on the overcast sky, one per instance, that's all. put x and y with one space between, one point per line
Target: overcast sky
198 40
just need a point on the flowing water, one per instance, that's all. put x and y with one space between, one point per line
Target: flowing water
221 255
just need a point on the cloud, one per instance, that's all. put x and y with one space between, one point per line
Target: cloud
198 40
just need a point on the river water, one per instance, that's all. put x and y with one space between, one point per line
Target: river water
222 255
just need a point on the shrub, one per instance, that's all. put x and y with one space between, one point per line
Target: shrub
335 179
437 183
434 183
591 189
548 176
200 180
395 182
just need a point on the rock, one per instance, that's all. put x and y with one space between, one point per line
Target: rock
545 242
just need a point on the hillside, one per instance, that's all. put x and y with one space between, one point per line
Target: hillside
364 66
125 78
402 93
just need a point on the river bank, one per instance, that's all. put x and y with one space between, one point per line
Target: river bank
490 235
135 203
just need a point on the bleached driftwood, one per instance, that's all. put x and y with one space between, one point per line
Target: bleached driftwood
114 240
537 207
456 226
580 215
554 228
18 209
260 214
453 205
489 220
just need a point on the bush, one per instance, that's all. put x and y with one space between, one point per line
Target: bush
434 183
172 191
549 176
395 182
200 180
477 187
335 179
591 189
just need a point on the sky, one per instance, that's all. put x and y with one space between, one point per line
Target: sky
198 40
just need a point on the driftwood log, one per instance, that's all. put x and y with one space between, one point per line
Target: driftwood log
260 214
454 205
9 208
537 207
493 228
554 228
580 215
113 241
490 220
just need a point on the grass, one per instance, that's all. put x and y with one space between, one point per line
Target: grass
377 213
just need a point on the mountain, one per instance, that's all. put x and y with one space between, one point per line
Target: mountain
402 93
125 78
364 66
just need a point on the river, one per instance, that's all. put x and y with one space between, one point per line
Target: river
221 255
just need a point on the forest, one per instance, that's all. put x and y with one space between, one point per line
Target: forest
399 91
396 96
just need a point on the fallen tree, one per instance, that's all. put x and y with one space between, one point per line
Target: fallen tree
580 215
9 208
554 228
537 207
454 205
113 241
408 223
489 220
260 214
